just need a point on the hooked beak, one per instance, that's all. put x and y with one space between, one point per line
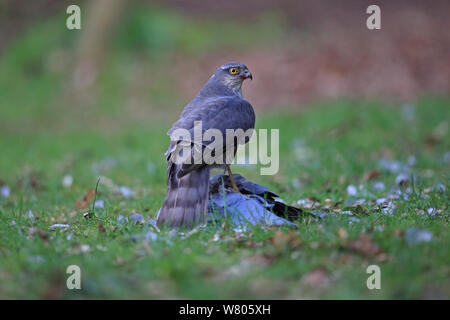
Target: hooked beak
247 75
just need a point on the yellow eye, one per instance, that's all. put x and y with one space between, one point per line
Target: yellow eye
234 70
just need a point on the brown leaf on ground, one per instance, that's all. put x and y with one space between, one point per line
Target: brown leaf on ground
264 259
119 261
40 233
342 233
432 140
30 179
344 259
399 233
282 240
101 227
372 174
263 287
437 135
54 289
365 246
316 279
87 198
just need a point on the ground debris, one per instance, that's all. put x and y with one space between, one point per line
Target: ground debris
414 236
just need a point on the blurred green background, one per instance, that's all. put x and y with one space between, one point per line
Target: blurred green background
143 60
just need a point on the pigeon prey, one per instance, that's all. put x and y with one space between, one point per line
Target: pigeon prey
220 106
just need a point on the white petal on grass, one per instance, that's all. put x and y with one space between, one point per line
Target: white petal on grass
5 191
137 217
216 237
301 151
415 236
307 203
392 166
104 165
30 214
388 208
126 192
353 220
378 186
99 204
242 229
352 190
121 219
151 236
320 214
446 156
412 161
67 181
408 112
296 183
35 259
59 225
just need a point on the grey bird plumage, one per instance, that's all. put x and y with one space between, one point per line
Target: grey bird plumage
218 105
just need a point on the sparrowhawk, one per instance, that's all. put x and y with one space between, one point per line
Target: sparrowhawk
218 105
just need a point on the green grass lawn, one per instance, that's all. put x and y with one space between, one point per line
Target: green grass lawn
326 150
323 149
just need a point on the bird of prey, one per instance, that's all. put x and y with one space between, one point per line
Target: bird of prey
218 105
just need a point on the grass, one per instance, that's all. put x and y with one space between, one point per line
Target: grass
340 142
324 148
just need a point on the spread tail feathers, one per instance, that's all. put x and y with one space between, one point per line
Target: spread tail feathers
186 201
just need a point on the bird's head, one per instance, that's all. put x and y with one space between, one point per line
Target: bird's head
232 75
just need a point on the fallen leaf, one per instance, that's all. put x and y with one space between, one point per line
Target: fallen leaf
399 233
309 203
316 279
119 261
365 246
101 227
342 233
290 239
264 259
35 231
87 198
372 174
30 179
